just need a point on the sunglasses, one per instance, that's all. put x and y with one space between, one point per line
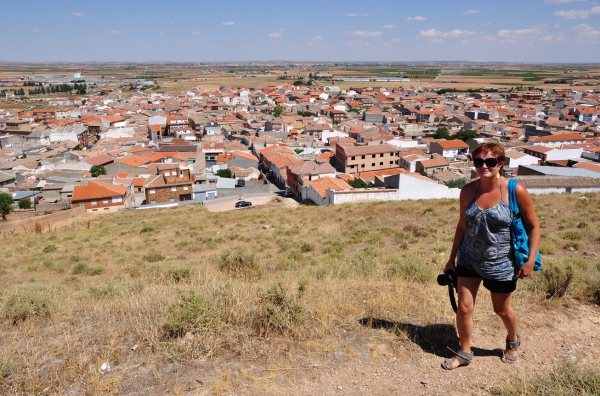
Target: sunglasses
489 162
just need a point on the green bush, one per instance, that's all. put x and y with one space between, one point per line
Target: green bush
179 274
146 229
411 267
572 235
547 247
153 257
24 204
105 290
28 302
193 312
49 249
84 269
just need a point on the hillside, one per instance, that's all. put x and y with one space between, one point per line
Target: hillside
272 300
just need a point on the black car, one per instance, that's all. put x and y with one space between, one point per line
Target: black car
241 204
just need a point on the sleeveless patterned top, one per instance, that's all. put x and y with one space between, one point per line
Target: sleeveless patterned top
486 245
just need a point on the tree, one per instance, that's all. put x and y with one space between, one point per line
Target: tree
226 173
298 82
277 111
456 183
358 183
98 170
442 133
5 205
465 135
25 204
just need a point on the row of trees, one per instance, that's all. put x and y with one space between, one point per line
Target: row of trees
80 89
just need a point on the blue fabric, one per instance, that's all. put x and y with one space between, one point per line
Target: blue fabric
520 240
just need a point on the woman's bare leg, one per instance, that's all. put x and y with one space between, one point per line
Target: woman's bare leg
504 310
467 294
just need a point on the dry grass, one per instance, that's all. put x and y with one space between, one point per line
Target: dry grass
185 284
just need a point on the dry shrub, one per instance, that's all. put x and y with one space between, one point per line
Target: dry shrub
29 302
7 364
240 264
280 312
569 379
193 312
547 247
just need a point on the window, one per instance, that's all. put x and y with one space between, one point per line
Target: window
167 173
152 202
353 158
373 156
173 188
373 164
363 157
117 199
351 166
152 191
185 188
181 173
106 208
381 163
94 210
105 201
172 200
362 165
94 203
391 162
381 155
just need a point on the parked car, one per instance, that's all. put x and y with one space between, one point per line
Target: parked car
241 204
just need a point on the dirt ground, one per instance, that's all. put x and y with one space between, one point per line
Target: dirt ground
378 357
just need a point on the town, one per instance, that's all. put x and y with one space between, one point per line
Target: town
108 144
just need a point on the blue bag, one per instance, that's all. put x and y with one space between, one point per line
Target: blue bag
518 234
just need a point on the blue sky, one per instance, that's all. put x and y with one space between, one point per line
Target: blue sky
309 30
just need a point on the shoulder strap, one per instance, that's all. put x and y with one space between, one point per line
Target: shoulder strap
512 196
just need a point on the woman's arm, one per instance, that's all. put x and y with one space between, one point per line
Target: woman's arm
465 197
532 226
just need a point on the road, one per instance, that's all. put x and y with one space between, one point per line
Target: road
228 203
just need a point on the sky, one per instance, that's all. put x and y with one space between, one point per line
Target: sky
563 31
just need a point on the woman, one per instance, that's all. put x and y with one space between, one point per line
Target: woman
482 250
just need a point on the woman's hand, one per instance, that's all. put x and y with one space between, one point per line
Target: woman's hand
525 270
449 266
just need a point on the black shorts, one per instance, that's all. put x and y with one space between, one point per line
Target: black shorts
500 287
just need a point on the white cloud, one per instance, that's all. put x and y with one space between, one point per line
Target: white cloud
397 40
417 18
511 35
275 35
78 14
453 33
197 32
34 30
357 44
163 32
365 33
230 23
560 1
470 12
390 26
486 23
586 32
294 24
317 38
578 14
115 32
354 14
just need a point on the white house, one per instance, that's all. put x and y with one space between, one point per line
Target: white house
413 186
516 158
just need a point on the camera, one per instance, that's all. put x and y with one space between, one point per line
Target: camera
447 279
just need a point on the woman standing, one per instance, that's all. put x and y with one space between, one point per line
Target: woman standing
482 250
